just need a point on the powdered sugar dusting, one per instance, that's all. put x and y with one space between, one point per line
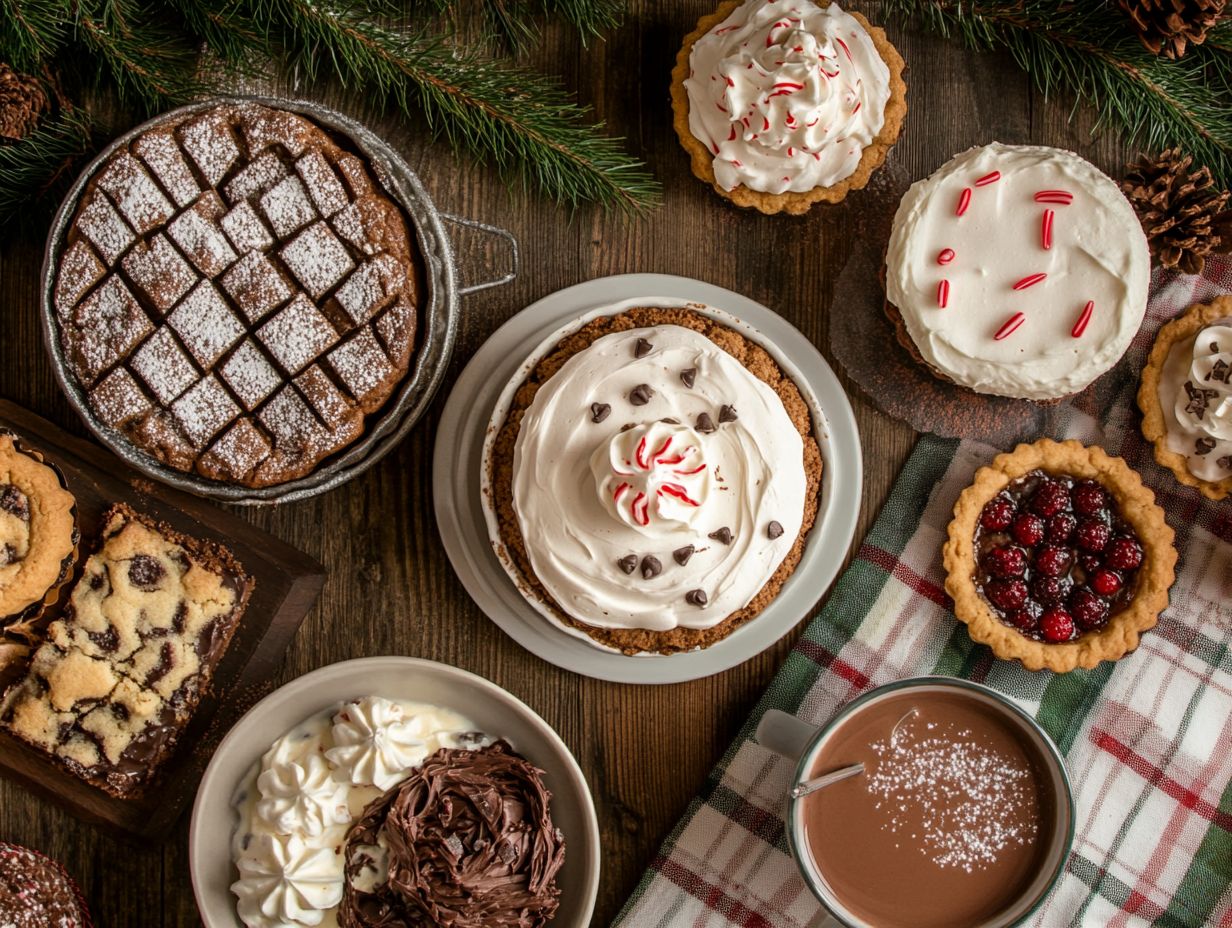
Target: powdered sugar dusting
974 801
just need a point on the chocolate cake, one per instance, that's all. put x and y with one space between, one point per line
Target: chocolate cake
120 674
237 293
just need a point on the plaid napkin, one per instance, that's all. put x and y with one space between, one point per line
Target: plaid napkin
1148 739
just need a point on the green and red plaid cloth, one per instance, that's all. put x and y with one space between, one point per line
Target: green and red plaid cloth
1148 739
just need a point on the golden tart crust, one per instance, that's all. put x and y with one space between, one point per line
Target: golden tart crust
51 530
1154 427
1138 507
795 203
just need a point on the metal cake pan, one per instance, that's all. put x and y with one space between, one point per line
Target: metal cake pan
435 334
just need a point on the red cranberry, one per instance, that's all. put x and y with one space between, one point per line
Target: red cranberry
1091 535
1089 498
1051 591
1105 582
997 514
1088 609
1060 527
1028 529
1089 562
1123 554
1056 625
1006 595
1050 498
1027 618
1007 562
1052 561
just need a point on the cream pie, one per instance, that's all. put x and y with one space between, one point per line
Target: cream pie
1186 397
655 480
1019 271
784 104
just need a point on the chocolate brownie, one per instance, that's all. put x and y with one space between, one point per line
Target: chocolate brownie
120 674
237 293
753 357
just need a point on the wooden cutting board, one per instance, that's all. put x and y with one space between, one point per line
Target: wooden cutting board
287 584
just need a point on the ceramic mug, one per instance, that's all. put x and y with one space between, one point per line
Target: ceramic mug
803 743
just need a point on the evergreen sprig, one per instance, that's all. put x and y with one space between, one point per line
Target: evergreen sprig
38 168
1088 49
148 53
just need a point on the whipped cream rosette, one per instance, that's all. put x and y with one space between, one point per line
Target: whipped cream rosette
1019 271
657 482
1196 396
299 802
786 95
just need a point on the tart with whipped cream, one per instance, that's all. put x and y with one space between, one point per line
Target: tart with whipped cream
1186 397
1018 271
654 481
1058 556
788 103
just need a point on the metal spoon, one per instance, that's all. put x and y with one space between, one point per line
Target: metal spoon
843 773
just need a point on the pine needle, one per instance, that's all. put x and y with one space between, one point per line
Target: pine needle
1090 50
35 170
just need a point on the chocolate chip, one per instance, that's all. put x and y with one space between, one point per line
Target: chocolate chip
774 529
681 555
641 348
1225 462
628 563
144 572
670 421
727 414
1198 400
108 640
641 394
14 502
8 554
688 376
1221 370
1204 446
724 535
696 597
599 411
651 567
705 424
96 581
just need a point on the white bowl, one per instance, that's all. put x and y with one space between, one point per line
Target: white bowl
491 708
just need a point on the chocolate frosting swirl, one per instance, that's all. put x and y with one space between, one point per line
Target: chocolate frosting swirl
470 844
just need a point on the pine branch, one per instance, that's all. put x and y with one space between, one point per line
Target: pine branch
1086 49
515 23
511 116
34 170
32 31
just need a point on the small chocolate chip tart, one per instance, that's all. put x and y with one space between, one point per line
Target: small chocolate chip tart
1189 376
38 543
37 892
1058 556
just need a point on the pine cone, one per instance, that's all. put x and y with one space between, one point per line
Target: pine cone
1185 217
22 102
1168 26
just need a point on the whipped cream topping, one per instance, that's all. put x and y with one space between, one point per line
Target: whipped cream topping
589 540
298 803
787 95
1019 271
1196 396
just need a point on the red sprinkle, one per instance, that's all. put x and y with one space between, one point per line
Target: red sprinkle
639 455
945 256
1081 325
620 491
666 444
644 517
792 84
846 50
964 200
1063 197
1046 229
679 492
943 294
1010 327
987 179
1030 281
855 109
690 473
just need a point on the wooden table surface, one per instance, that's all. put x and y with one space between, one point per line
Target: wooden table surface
645 750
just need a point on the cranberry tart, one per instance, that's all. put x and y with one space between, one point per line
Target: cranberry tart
1058 556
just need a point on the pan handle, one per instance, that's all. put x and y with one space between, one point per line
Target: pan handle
497 232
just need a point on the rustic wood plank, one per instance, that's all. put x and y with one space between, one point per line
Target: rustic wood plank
646 751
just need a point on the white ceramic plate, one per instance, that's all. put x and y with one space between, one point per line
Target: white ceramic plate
487 383
491 708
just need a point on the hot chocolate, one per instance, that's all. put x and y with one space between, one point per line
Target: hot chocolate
951 822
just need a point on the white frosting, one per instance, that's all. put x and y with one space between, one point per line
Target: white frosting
1196 395
568 468
1097 255
296 805
787 95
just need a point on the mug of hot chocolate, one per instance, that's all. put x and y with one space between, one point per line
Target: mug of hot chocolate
927 803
